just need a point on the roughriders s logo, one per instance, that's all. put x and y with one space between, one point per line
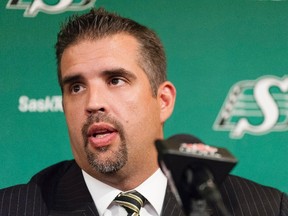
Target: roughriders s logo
32 7
255 107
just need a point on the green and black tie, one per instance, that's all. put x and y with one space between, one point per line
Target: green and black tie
131 201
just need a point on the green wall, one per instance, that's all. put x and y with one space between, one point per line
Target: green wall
224 57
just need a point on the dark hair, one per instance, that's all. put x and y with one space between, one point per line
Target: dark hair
99 23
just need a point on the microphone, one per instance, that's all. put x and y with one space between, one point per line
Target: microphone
194 170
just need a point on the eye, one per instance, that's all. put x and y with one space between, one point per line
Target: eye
76 88
116 81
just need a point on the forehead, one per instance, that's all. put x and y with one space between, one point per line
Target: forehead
119 50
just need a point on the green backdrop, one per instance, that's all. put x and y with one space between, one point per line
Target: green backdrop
228 60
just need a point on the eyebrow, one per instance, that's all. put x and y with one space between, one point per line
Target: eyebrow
106 73
119 72
71 79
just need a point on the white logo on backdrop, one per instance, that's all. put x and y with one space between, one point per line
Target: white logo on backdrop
47 104
33 7
255 107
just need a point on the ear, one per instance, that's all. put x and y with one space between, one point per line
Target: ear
166 97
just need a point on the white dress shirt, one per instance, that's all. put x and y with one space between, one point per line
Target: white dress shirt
153 189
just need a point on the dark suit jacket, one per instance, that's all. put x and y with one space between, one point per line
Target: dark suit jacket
60 190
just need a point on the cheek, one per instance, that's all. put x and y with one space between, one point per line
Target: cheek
142 113
127 112
74 119
73 107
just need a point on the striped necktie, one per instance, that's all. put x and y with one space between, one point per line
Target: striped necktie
131 201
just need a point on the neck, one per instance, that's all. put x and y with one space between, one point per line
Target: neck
127 178
124 182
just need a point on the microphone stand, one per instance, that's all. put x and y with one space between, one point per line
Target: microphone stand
200 183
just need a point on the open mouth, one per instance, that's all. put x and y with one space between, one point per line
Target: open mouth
100 135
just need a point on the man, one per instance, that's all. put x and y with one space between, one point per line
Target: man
112 73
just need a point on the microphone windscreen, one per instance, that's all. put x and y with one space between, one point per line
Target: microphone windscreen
181 138
183 158
183 150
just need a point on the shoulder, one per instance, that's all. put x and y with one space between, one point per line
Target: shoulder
245 187
28 198
250 198
22 199
53 173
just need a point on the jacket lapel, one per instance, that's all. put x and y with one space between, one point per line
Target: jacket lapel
86 210
171 206
69 194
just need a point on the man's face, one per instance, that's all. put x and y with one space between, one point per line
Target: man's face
112 117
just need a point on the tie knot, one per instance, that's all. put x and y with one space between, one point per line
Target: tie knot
132 201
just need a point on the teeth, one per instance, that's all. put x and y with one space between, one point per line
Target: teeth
99 135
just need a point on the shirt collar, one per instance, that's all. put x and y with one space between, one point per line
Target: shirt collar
102 194
153 189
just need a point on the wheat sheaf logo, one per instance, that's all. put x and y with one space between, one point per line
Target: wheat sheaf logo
33 7
255 107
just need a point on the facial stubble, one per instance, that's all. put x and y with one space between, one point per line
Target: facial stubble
117 159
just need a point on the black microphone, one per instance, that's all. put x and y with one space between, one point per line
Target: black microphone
194 170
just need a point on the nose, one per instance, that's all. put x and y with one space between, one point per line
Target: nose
95 102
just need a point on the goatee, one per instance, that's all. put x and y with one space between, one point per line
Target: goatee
117 159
